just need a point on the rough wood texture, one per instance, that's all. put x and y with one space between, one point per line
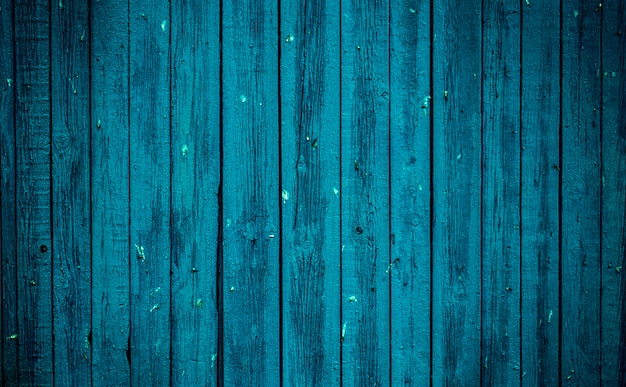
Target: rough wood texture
456 270
110 182
195 184
540 189
8 195
501 292
150 311
613 194
34 231
251 194
365 236
580 194
410 44
310 151
71 241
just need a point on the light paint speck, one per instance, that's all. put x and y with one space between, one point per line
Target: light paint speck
285 196
575 13
185 150
9 82
336 191
163 25
243 98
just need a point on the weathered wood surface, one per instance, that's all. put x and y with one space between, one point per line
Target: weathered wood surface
71 242
540 193
410 192
251 196
501 291
456 175
310 192
195 160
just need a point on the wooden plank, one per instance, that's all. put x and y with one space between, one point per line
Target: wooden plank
251 194
110 193
409 153
195 185
456 270
365 234
150 262
71 194
540 165
613 162
501 344
8 197
34 233
310 192
580 194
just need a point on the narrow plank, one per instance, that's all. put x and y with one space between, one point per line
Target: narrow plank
149 118
410 43
195 185
110 182
580 169
71 194
34 228
540 164
456 269
613 245
310 192
8 197
501 333
365 230
251 194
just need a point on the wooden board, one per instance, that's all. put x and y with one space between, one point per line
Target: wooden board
365 237
310 193
110 183
410 183
251 195
71 194
456 174
580 194
194 191
8 195
33 185
613 244
540 190
149 119
501 294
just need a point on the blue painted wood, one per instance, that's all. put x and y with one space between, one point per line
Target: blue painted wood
150 261
456 269
501 291
33 185
110 181
310 149
195 140
580 194
71 242
8 196
365 236
540 191
409 153
251 194
613 189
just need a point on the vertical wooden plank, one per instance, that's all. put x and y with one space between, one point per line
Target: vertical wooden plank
251 194
365 192
110 193
613 143
195 185
501 333
71 193
410 44
310 192
34 231
580 170
8 197
456 282
149 117
540 165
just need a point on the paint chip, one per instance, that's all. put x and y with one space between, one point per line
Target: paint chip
336 191
289 38
343 330
154 307
9 82
550 316
243 98
163 25
352 299
185 150
576 13
285 195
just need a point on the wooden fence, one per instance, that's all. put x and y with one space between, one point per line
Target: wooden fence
313 193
